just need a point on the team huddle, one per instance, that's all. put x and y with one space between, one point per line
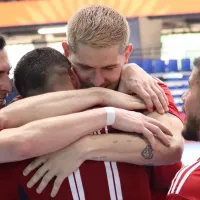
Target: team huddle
88 125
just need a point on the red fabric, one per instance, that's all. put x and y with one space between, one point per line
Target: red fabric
134 179
163 175
178 197
185 185
172 106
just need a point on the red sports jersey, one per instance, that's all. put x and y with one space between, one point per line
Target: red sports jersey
93 180
185 185
163 175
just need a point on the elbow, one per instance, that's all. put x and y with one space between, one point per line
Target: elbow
175 152
14 146
30 146
24 149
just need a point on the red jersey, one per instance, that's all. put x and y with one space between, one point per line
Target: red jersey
162 176
93 180
185 185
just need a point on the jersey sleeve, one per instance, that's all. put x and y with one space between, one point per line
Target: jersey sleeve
163 175
172 106
177 197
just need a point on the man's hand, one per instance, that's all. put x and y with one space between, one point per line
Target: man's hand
130 121
135 80
59 164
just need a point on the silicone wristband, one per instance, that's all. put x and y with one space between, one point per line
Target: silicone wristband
111 115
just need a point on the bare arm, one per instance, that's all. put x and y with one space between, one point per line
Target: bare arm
135 149
51 134
108 147
63 103
48 135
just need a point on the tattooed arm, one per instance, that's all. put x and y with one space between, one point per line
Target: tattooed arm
136 149
129 148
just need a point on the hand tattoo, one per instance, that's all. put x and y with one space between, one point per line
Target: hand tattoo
147 153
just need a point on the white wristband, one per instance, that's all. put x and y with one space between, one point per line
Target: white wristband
111 115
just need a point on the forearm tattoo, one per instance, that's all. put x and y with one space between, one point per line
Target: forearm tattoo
147 153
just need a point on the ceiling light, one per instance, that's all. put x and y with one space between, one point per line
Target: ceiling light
53 30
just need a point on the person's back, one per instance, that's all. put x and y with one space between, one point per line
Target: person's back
93 180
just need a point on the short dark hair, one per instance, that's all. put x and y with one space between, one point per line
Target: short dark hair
2 42
34 69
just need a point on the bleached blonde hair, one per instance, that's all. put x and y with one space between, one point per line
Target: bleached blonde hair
98 26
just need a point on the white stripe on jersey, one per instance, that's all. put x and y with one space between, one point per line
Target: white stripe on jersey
184 178
79 184
117 184
109 175
117 180
113 180
73 187
110 181
179 179
172 183
179 174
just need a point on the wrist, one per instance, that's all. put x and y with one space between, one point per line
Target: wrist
95 148
87 147
110 116
100 94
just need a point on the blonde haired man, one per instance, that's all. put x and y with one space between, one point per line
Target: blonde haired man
97 46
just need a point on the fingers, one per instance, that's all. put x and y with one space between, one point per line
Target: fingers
45 181
158 124
162 92
33 165
153 95
145 96
57 184
150 137
155 99
37 176
157 131
161 96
